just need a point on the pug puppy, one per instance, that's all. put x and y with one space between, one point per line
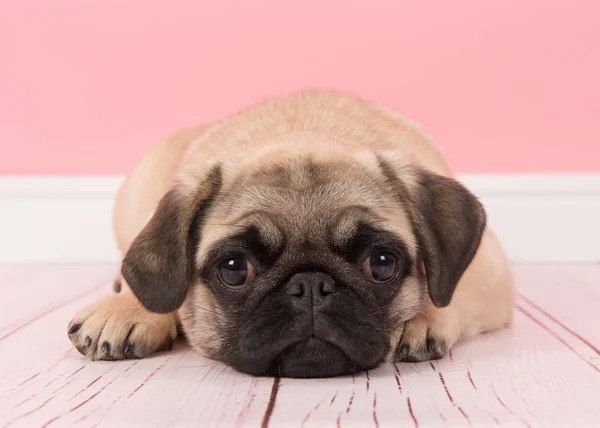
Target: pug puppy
313 234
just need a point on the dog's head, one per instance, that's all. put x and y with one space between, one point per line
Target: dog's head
302 264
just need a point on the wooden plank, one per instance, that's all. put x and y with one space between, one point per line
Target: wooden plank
566 296
536 375
43 288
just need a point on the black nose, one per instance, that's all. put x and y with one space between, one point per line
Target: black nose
312 288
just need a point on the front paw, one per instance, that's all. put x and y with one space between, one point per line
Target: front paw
118 327
421 340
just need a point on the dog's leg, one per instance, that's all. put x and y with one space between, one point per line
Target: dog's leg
428 336
483 302
118 327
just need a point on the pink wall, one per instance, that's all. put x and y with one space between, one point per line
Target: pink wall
504 86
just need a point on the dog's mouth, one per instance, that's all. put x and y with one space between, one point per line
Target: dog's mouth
313 358
306 348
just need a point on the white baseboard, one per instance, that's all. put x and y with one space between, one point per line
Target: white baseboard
539 218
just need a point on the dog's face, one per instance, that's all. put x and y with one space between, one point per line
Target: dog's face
304 265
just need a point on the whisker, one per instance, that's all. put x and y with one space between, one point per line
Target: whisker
222 370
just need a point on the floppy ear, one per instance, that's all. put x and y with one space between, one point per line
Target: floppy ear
159 265
448 221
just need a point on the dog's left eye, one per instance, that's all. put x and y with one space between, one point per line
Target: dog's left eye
236 271
381 266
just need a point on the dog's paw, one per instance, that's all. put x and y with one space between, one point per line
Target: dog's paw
118 327
422 340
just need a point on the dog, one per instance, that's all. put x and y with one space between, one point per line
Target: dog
312 234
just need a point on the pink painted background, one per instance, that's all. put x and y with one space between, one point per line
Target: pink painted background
504 86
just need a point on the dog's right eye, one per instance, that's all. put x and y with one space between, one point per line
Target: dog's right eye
236 271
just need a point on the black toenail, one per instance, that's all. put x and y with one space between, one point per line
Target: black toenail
105 348
169 344
128 351
74 328
431 344
82 350
88 342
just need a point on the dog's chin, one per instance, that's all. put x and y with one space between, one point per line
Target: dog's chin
313 358
305 347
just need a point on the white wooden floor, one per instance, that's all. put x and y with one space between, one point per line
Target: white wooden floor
544 372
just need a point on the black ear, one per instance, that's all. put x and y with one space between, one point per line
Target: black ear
159 266
448 222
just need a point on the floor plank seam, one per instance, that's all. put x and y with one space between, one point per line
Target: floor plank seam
560 339
561 324
48 311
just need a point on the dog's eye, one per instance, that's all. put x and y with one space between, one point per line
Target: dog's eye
381 266
236 271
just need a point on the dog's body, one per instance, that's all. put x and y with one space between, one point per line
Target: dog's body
289 163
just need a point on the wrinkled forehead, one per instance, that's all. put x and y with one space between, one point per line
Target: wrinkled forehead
300 201
306 192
